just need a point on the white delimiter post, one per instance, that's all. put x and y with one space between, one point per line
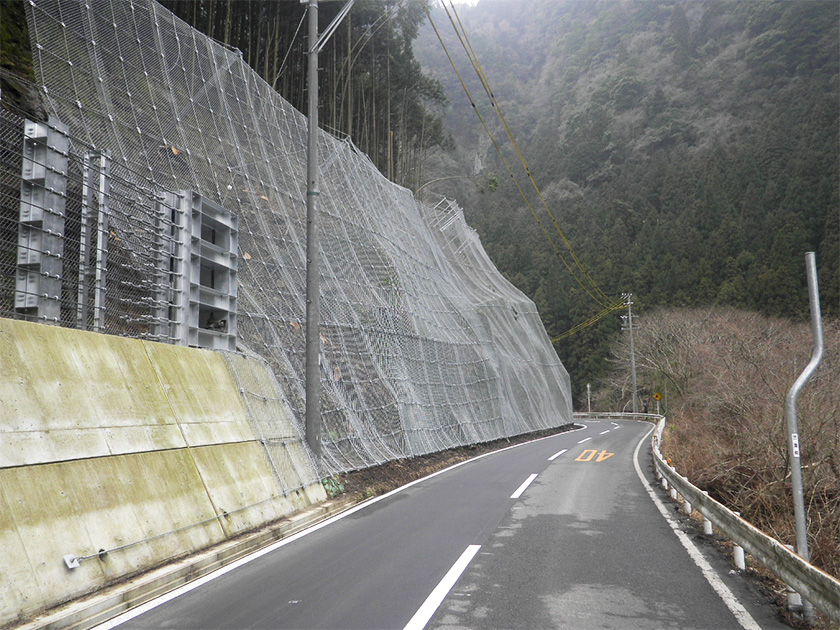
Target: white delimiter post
313 289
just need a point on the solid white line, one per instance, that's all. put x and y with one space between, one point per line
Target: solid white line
557 454
436 597
584 440
524 485
732 603
186 588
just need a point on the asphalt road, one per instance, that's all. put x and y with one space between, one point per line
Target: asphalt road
557 533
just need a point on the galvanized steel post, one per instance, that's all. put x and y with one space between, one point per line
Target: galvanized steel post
794 445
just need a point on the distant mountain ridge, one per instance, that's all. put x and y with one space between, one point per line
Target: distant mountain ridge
688 149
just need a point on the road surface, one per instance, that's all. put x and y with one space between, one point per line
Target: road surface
561 532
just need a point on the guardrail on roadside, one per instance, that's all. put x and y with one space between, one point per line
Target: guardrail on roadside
615 415
816 586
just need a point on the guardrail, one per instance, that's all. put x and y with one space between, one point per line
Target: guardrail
616 415
816 586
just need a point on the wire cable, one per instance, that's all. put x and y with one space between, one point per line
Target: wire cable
590 286
471 55
508 167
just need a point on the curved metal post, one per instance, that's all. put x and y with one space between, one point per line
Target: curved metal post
791 419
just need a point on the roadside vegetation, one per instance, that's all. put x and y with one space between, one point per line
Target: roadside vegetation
689 151
726 374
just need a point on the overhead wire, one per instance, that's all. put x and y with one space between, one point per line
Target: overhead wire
467 45
505 161
581 276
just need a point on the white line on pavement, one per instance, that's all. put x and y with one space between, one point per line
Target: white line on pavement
524 485
732 603
436 597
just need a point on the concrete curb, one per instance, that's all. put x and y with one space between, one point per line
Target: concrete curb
107 603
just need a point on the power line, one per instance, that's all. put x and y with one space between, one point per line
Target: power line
579 272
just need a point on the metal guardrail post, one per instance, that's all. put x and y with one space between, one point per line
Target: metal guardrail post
816 586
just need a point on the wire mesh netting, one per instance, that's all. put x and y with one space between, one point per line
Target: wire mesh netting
425 345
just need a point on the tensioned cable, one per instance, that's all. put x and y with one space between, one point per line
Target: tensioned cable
589 322
461 33
291 45
507 165
599 296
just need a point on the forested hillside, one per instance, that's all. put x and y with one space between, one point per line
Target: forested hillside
689 151
371 86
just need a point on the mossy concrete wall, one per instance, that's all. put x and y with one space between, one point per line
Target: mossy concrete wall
141 449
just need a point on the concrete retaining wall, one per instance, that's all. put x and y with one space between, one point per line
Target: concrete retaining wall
141 449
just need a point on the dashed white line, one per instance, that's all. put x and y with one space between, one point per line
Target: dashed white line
524 485
584 440
603 432
557 454
436 597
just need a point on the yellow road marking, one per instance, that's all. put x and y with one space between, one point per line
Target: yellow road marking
589 454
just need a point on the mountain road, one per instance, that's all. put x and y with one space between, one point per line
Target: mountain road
567 531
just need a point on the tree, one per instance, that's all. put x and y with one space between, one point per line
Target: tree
372 88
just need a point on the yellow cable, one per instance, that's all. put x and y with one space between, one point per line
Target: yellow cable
589 322
471 55
596 298
504 161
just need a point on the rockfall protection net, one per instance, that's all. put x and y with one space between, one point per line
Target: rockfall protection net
425 346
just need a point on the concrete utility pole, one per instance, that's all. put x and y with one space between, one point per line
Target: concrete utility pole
792 423
313 249
628 301
313 280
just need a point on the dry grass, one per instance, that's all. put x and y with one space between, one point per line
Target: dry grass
727 373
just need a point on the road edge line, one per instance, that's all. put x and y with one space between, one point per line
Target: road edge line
735 607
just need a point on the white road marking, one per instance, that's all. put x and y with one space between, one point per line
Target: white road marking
436 597
557 454
604 432
584 440
186 588
744 618
524 485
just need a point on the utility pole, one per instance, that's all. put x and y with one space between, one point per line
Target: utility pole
588 398
628 302
313 280
313 249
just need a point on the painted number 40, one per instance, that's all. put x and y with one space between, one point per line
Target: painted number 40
591 454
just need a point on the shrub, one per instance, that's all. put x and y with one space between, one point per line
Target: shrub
727 374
